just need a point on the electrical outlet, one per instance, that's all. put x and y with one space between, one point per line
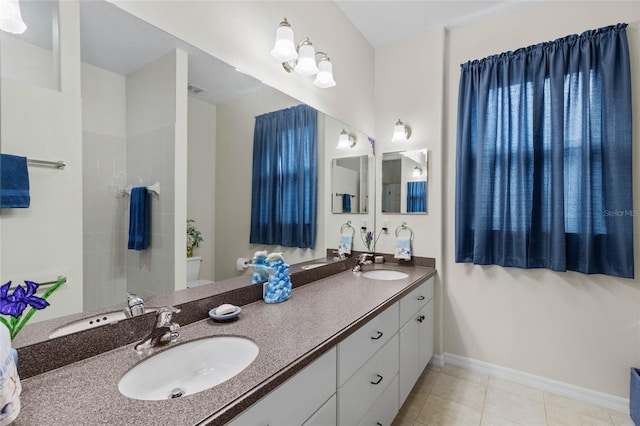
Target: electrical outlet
363 227
385 226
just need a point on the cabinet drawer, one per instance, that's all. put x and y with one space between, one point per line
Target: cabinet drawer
412 302
356 349
297 399
360 392
385 408
326 415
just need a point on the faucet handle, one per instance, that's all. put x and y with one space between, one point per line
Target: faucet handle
164 316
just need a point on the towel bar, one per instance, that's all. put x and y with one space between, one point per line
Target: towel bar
155 188
56 164
404 227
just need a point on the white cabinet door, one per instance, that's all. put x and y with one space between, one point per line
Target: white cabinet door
416 348
360 392
297 399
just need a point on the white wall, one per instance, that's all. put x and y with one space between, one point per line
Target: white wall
242 34
233 168
154 116
104 144
574 328
45 240
201 180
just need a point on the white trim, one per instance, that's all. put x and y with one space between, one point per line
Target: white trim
537 382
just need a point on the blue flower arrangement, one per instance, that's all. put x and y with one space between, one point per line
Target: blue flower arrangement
13 304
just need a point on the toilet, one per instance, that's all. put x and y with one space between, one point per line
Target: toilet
193 269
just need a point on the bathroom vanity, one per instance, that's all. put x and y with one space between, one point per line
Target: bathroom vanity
345 349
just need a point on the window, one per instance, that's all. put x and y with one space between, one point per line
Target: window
543 169
284 180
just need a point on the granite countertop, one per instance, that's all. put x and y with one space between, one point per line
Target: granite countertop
290 335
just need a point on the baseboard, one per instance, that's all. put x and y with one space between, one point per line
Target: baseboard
537 382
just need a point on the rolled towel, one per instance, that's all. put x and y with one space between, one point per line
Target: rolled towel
14 182
403 248
346 241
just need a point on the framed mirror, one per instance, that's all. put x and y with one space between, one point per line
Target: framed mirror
350 185
404 182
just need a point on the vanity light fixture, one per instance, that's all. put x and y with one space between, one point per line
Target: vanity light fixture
417 172
11 18
346 141
401 132
301 58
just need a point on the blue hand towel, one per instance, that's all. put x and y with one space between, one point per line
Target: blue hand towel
14 182
346 203
139 219
403 248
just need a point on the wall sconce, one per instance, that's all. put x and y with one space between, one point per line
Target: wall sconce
401 132
301 58
417 172
11 18
346 141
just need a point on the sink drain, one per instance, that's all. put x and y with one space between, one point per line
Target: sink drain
176 393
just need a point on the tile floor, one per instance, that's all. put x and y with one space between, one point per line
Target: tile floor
452 396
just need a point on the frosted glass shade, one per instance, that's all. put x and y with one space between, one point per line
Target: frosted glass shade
10 17
343 141
306 61
399 132
324 79
284 49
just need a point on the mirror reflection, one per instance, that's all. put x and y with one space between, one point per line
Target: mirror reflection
404 182
139 108
350 184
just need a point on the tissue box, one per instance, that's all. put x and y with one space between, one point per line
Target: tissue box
634 396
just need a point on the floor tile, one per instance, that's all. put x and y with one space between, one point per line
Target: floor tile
412 406
463 373
557 416
516 408
621 419
489 419
441 412
459 390
575 406
516 388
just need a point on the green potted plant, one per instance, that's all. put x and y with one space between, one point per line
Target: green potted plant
194 237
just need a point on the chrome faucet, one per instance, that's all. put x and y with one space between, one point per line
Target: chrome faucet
164 331
341 254
363 259
135 305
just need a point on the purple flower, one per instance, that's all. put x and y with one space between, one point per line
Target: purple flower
14 304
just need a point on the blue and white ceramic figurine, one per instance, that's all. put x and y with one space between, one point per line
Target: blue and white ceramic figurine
278 288
10 387
260 267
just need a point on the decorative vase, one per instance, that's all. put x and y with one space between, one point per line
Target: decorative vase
189 251
10 387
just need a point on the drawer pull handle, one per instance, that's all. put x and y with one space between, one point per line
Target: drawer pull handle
379 335
377 382
421 318
420 297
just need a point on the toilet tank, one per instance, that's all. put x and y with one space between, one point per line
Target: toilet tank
193 267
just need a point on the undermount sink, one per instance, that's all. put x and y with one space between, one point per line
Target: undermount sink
188 368
385 274
97 320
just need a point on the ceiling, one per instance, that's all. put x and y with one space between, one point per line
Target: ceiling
384 22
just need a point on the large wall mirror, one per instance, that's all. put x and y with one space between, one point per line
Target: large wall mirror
404 182
350 184
129 95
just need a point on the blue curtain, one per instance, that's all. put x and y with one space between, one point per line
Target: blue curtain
285 178
543 163
417 197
